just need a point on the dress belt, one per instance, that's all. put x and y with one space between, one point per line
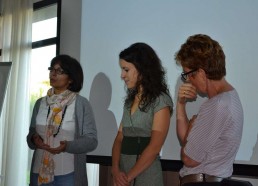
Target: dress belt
199 178
134 145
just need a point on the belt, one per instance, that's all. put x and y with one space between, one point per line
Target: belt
134 145
199 178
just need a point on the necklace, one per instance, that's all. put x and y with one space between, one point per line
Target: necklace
63 114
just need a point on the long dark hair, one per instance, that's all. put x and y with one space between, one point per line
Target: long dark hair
151 72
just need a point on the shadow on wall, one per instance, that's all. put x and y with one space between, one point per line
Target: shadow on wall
100 98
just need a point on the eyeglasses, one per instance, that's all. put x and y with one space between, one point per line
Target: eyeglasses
185 75
58 71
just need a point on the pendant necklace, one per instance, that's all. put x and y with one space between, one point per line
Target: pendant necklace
63 114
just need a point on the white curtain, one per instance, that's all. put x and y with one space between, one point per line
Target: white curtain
16 24
93 174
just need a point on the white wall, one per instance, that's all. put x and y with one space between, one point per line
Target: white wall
236 30
70 38
110 26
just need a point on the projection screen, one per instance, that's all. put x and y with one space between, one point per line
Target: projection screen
110 26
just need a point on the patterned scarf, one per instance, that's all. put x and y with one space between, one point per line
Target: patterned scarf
57 103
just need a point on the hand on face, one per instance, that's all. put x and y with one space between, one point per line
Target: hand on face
186 91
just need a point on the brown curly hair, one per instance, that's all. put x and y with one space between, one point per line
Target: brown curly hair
151 71
200 51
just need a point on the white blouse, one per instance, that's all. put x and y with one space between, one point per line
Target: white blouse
64 162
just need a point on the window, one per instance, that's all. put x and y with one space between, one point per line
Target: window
45 46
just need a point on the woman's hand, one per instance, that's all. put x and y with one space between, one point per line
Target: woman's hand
38 141
120 178
191 122
190 126
59 149
186 91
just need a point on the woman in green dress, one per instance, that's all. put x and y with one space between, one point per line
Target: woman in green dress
147 111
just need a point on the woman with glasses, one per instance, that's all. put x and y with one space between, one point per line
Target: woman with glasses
211 138
146 118
62 128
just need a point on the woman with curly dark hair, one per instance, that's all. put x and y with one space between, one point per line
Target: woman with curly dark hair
146 118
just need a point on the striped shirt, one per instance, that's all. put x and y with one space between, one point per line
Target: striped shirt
216 135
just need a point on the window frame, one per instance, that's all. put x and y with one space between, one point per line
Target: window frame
53 40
